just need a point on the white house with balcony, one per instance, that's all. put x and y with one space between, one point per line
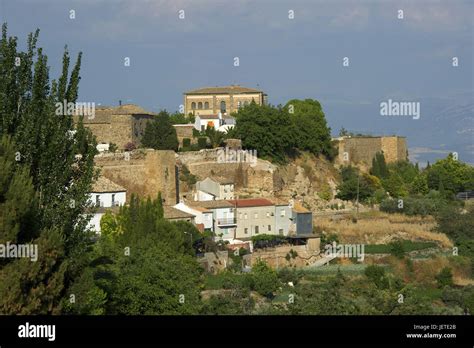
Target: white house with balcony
105 195
202 216
223 217
214 188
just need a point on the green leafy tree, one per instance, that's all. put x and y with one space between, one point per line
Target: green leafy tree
142 264
379 167
419 185
266 129
353 181
160 133
265 279
454 175
309 124
395 186
59 159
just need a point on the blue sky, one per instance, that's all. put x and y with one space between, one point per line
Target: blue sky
407 59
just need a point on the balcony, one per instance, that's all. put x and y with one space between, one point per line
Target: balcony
226 222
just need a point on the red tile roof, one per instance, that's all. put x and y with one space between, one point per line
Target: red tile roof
251 202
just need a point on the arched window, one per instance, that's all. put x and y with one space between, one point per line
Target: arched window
193 105
223 109
200 105
206 105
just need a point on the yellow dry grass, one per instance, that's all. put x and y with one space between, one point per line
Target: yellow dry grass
382 228
425 271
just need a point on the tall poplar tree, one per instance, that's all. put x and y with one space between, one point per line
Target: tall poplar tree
59 160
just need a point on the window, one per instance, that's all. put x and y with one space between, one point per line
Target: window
200 105
193 105
239 104
113 199
203 128
269 228
280 231
223 108
268 214
206 105
97 200
246 230
256 229
255 216
245 216
282 213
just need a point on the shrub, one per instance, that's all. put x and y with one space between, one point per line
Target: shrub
265 279
202 142
186 142
112 147
413 205
130 146
445 277
377 275
396 249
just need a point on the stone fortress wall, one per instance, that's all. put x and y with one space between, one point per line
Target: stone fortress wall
142 172
363 149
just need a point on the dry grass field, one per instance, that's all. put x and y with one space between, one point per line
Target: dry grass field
381 228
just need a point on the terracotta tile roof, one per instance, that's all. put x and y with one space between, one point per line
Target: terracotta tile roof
278 201
211 204
105 185
233 89
173 213
250 202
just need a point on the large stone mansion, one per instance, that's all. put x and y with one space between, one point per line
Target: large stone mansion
226 99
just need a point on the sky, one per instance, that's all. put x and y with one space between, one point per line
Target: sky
289 49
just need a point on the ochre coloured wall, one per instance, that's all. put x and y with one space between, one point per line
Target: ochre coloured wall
146 173
363 149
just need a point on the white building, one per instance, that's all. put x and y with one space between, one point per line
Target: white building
202 216
105 195
223 217
220 122
214 188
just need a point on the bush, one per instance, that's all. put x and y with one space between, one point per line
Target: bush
186 142
112 147
130 146
413 205
265 279
445 277
377 275
396 249
287 275
202 142
267 241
